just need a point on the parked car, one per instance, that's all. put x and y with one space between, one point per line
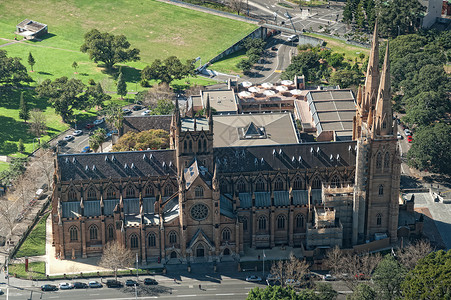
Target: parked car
111 283
80 285
1 292
130 282
409 138
126 111
48 287
86 149
253 278
62 142
65 286
94 284
109 134
78 132
399 136
292 282
137 107
150 281
139 102
274 48
99 121
407 132
272 277
146 112
89 126
68 138
359 276
329 277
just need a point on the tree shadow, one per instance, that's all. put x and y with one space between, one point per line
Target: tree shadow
45 73
12 131
10 98
130 74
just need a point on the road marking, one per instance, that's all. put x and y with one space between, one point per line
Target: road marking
211 289
190 286
180 296
277 71
231 294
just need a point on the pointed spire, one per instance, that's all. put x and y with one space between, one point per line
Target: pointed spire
207 107
372 73
359 95
215 179
383 107
101 201
370 118
195 124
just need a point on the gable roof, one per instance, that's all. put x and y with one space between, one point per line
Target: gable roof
143 123
193 171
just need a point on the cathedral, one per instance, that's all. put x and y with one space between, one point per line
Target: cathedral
230 182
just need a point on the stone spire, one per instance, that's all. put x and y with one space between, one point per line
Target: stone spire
209 114
372 73
383 113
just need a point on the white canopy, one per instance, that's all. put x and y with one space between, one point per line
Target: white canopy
267 85
281 88
269 93
244 94
254 89
286 82
296 92
246 84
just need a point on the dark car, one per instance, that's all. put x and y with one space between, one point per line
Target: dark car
89 126
130 282
80 285
137 107
62 142
111 283
127 111
274 48
150 281
49 287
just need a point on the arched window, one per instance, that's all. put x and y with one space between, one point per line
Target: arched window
73 232
110 232
226 234
93 230
379 160
185 147
379 219
352 180
262 223
300 221
151 240
199 146
224 187
168 190
110 193
384 124
387 160
297 184
259 185
205 145
316 183
381 190
134 241
278 185
241 186
91 194
72 195
172 237
244 224
190 149
281 222
335 182
149 191
199 191
130 192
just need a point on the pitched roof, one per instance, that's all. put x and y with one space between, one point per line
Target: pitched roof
143 123
194 171
285 157
116 164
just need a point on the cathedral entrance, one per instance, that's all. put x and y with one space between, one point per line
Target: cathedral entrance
173 254
226 251
200 251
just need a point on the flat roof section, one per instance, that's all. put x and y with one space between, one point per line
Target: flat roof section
223 101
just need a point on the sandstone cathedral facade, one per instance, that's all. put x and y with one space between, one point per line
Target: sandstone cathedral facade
201 201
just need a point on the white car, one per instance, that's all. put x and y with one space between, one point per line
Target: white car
78 132
65 286
99 121
253 278
399 136
407 132
329 277
146 112
68 138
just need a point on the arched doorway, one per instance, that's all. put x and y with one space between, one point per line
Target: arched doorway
173 254
226 251
200 251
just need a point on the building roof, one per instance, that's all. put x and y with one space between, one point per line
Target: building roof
143 123
285 157
223 101
116 164
332 110
275 128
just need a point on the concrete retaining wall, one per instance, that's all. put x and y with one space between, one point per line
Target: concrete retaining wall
304 40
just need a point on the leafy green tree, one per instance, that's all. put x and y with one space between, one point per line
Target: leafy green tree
245 65
24 112
15 169
360 15
12 71
20 146
75 66
347 12
425 107
149 139
305 63
430 149
95 96
121 86
277 292
97 139
346 78
168 70
430 278
114 115
363 292
31 61
164 107
400 17
108 48
65 95
38 125
325 291
388 276
251 43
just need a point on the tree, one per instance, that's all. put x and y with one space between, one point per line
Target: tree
236 5
21 146
325 291
245 65
168 70
8 213
65 95
164 107
121 86
31 61
108 48
410 255
400 17
95 96
363 292
305 63
388 276
277 292
346 78
11 70
334 260
430 278
75 66
44 163
149 139
24 113
161 91
430 149
97 139
425 107
293 268
115 256
114 115
38 126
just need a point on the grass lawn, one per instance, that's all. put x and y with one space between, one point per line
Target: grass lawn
34 244
228 63
36 270
339 46
3 166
